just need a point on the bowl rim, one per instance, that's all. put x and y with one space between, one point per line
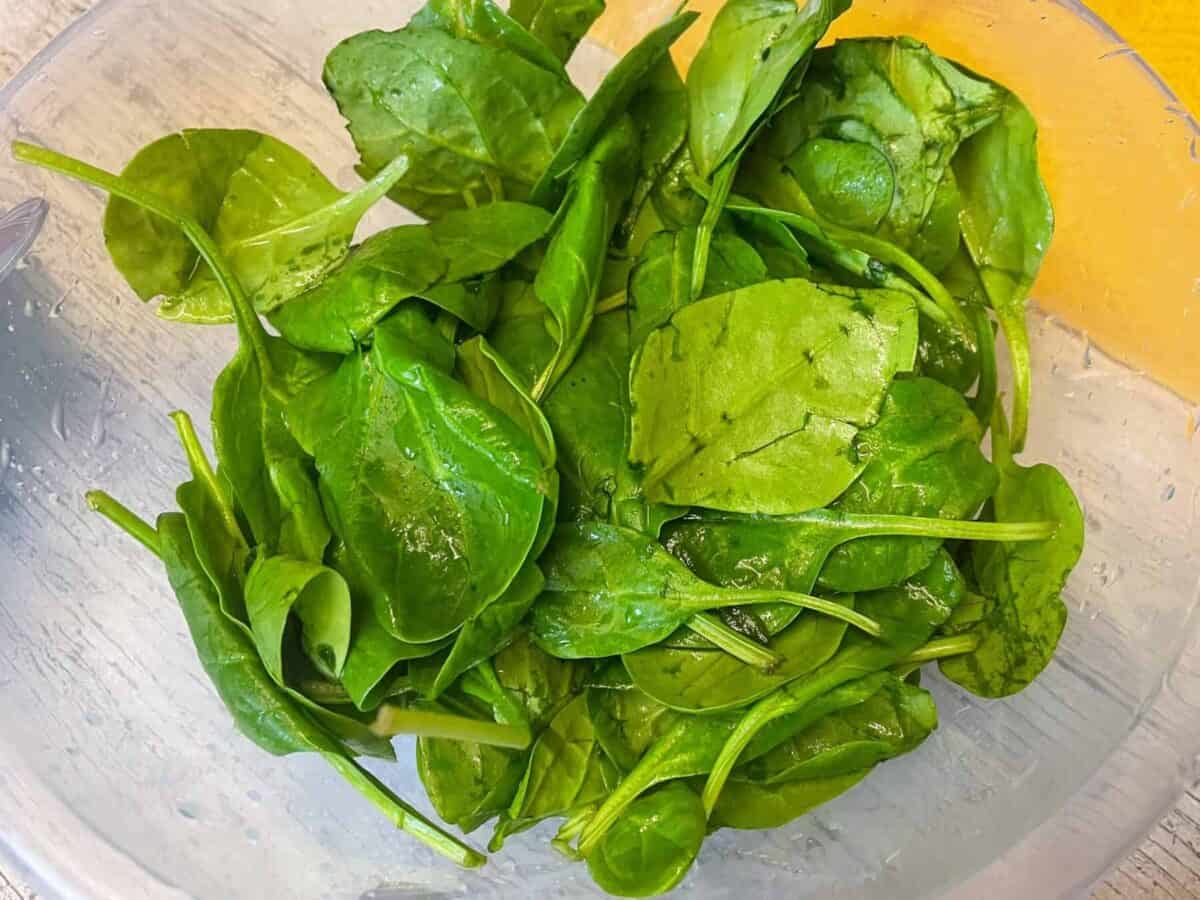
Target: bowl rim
46 873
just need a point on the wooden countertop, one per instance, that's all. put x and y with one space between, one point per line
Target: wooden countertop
1167 866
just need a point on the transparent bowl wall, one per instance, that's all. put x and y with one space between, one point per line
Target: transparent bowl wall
122 777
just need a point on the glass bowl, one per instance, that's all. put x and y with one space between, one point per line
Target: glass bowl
120 774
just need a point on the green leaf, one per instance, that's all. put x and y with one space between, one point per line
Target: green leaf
868 141
752 50
910 614
264 712
490 377
706 679
468 783
478 121
892 721
747 805
279 587
274 217
610 102
1024 614
412 260
568 281
778 377
434 492
374 655
611 590
559 24
923 459
567 770
541 683
272 478
485 23
1007 224
651 848
484 634
627 721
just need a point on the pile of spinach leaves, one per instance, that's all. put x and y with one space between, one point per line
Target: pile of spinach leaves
638 482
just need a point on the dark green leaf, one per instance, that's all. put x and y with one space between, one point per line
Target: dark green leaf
478 121
568 281
923 459
751 52
419 479
610 590
430 261
609 103
1024 616
747 805
653 845
272 478
567 770
1007 224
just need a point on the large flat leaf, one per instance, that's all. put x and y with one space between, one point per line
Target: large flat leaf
740 392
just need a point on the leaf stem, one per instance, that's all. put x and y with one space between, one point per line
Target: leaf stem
1016 333
736 644
202 470
125 519
745 597
404 816
392 720
940 649
612 303
986 391
717 197
249 326
771 707
892 255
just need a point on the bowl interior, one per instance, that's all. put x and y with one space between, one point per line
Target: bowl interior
120 774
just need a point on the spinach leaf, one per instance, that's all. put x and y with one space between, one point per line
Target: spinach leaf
276 219
1007 224
428 261
609 103
272 478
559 24
659 113
261 709
705 679
568 280
627 721
1024 614
541 683
278 588
923 459
890 722
375 653
477 120
418 476
485 23
567 770
490 377
910 614
780 376
468 783
752 50
651 848
483 635
610 591
748 805
868 141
